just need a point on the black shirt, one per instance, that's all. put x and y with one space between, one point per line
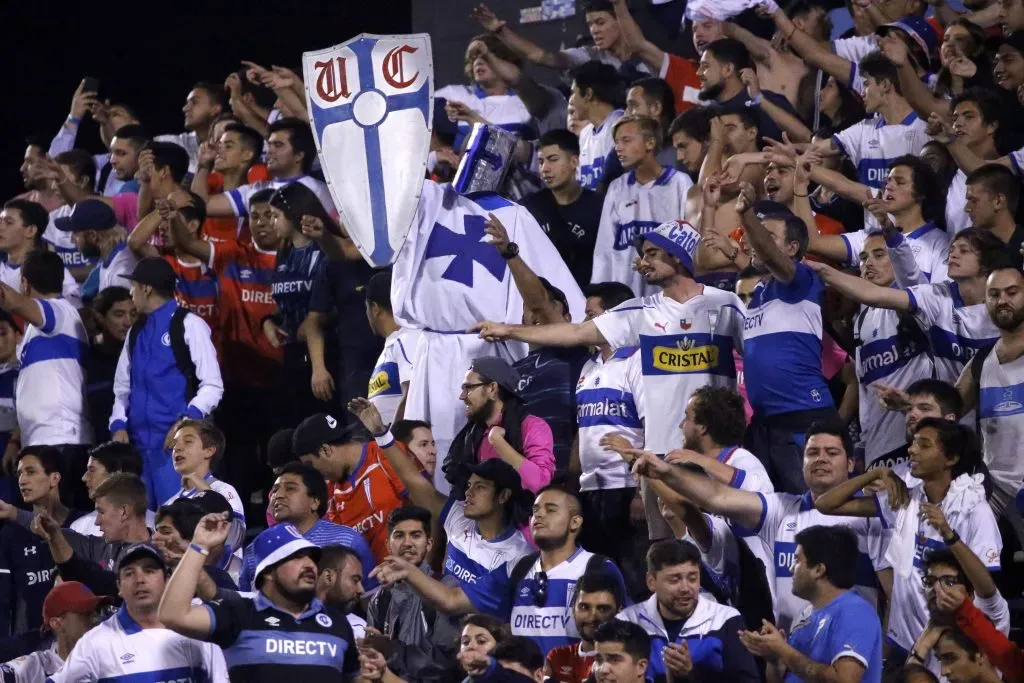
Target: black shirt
571 228
1014 245
768 126
547 385
99 388
338 289
263 644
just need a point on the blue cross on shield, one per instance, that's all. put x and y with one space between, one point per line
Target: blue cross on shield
369 102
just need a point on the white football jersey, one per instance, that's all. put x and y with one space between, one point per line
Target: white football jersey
596 143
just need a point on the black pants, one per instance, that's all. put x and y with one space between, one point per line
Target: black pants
355 365
299 401
778 442
249 416
607 530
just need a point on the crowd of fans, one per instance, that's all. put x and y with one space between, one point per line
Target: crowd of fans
781 446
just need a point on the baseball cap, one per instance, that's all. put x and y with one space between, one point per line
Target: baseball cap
555 294
209 502
317 430
71 596
919 30
497 370
678 238
155 272
88 214
138 552
498 471
277 544
279 448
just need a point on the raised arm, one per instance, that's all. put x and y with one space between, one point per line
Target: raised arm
967 387
779 264
448 599
741 506
521 46
536 99
138 239
760 50
421 491
842 500
558 334
31 310
176 609
917 94
861 290
792 125
191 244
813 52
535 296
649 53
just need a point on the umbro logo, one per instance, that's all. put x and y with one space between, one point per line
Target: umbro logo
127 658
273 621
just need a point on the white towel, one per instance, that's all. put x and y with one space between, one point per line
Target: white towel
965 492
724 9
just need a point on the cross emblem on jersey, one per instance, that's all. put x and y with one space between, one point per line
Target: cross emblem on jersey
369 110
467 249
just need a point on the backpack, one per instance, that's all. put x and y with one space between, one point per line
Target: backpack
976 364
182 356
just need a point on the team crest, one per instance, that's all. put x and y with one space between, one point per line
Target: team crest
686 323
324 620
369 102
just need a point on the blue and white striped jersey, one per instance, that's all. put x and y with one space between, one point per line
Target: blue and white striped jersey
782 346
892 350
121 651
505 111
1001 413
596 143
483 568
955 330
632 209
929 245
783 516
683 346
394 366
609 400
552 625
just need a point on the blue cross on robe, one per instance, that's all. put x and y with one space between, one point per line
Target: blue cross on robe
467 249
322 118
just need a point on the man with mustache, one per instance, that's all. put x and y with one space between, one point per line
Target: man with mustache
595 602
283 632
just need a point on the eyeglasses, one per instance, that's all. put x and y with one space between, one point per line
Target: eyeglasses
540 589
947 581
466 388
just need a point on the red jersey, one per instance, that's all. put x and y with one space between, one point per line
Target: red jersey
245 274
230 228
196 291
681 76
367 497
568 664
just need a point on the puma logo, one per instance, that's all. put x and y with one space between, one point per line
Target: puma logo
662 326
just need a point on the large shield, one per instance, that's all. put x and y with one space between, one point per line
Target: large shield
370 105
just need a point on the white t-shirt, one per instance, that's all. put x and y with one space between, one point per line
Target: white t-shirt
630 210
978 530
10 275
929 245
595 145
683 346
33 667
50 393
120 261
119 649
609 400
956 203
956 331
394 367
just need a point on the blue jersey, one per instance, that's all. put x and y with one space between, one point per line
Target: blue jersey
547 385
846 627
782 346
552 625
293 285
321 534
483 568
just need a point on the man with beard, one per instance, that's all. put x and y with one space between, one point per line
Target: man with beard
686 334
151 650
596 601
421 637
994 383
782 341
39 187
648 195
95 233
339 583
692 636
282 632
567 212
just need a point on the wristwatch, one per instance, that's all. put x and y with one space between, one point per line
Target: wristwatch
952 540
510 251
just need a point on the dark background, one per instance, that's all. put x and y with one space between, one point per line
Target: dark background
149 54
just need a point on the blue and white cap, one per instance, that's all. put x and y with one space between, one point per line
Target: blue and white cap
678 238
277 544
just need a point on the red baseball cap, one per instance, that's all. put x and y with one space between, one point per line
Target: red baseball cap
70 596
